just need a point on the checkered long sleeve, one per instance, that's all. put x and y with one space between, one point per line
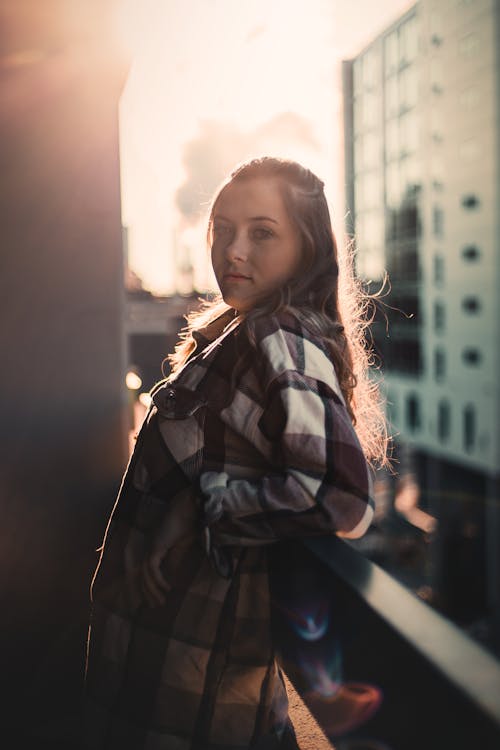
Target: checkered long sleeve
320 482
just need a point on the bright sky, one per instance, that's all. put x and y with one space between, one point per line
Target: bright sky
214 82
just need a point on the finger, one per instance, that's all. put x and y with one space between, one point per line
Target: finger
154 595
154 567
146 594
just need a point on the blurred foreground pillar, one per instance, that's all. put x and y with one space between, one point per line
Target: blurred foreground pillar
62 436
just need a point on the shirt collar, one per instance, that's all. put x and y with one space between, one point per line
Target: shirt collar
225 322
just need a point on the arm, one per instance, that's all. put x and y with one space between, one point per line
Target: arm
321 484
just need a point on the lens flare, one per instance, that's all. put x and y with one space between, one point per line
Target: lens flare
338 706
324 682
349 707
312 622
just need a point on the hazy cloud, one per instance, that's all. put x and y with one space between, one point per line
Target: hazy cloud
210 157
255 33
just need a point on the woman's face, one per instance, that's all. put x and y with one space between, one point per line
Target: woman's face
256 248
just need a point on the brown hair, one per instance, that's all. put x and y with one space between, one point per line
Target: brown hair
330 304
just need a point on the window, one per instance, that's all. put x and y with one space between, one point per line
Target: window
470 201
439 365
437 170
373 189
393 187
470 253
469 427
471 305
436 74
408 40
371 70
391 53
439 316
410 175
413 416
371 150
408 88
438 221
392 139
371 110
359 193
437 124
367 191
436 22
408 127
391 97
471 356
402 355
444 420
367 111
438 269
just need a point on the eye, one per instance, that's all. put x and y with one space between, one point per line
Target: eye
221 230
262 233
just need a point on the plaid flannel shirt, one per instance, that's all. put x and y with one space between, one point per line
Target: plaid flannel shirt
253 444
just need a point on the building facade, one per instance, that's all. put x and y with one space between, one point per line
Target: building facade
422 104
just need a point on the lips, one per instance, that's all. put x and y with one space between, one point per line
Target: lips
233 276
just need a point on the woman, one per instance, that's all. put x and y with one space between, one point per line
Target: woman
248 442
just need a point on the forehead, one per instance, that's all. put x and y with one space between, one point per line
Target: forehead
250 198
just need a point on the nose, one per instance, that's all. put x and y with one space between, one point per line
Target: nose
237 249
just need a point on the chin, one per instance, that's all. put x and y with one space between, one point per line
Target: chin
233 301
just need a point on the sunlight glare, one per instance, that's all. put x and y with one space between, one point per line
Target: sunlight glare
133 381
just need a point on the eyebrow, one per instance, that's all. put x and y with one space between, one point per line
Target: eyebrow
252 218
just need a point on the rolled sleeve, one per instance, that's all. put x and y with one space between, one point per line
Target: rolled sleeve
320 482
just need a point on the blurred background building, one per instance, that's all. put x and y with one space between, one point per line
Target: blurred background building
422 105
152 322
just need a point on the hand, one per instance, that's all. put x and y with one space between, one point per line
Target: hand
178 525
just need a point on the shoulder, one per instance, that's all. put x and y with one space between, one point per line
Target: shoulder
285 343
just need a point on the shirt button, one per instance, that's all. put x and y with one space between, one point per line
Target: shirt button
171 394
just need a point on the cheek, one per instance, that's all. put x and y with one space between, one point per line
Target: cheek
215 256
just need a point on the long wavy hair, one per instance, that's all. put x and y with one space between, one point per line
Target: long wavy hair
325 296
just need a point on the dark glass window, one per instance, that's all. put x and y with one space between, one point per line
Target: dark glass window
439 364
469 425
438 221
439 316
471 356
413 416
444 420
470 201
438 269
471 253
471 305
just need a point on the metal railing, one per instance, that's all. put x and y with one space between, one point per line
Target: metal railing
377 667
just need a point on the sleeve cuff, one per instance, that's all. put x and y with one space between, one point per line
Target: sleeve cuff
220 557
213 485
